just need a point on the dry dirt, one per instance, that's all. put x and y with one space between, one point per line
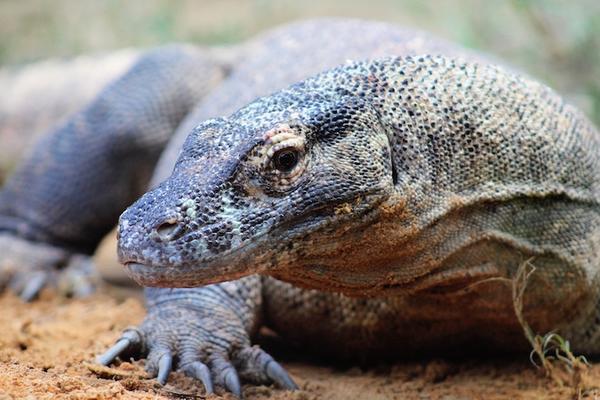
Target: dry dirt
47 350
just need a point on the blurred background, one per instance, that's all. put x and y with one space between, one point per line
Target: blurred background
556 41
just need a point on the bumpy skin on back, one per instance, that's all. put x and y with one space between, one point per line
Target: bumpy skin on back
416 180
402 182
268 63
160 90
38 89
416 183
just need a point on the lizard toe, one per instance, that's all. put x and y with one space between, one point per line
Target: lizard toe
225 375
79 278
256 365
165 365
31 285
209 344
130 343
192 364
198 370
27 267
159 363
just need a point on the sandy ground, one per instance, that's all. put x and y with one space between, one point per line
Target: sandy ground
47 350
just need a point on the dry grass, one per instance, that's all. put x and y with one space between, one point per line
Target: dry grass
556 41
551 353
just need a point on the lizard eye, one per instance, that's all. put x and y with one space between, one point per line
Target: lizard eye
286 159
282 159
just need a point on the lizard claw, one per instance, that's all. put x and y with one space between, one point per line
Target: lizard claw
131 340
79 277
165 365
32 288
257 365
201 372
226 376
111 354
212 347
278 375
27 267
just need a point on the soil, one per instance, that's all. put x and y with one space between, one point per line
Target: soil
47 350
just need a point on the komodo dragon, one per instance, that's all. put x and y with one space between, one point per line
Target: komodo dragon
365 211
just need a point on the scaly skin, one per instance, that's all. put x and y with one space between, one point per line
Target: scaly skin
415 183
39 89
404 183
71 187
425 173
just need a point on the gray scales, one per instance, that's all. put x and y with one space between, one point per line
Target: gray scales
365 209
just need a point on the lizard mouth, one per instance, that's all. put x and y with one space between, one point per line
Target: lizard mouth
170 276
246 259
136 269
145 274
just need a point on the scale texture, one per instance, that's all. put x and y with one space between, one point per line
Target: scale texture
356 187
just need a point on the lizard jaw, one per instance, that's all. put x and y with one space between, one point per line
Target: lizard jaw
256 256
160 276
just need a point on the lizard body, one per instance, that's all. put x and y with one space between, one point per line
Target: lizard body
379 205
357 210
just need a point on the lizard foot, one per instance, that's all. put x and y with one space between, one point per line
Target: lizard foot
209 345
26 267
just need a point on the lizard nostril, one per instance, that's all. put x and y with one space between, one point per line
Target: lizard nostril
168 230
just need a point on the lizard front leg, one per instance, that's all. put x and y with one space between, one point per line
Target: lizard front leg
205 333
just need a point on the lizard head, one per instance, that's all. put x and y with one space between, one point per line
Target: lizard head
277 188
300 185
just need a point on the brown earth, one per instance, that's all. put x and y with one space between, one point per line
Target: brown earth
47 350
